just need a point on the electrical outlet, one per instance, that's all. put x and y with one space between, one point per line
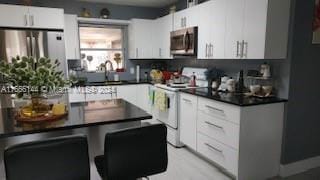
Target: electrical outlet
132 70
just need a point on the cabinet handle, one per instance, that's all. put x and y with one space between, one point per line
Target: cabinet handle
245 49
206 50
216 109
211 124
213 148
186 100
25 20
181 22
31 20
242 49
211 50
238 44
137 53
185 21
159 52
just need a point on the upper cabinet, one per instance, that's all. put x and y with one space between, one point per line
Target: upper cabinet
161 37
257 29
211 29
71 34
185 18
31 17
140 39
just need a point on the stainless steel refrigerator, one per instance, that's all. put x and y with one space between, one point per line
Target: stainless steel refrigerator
35 43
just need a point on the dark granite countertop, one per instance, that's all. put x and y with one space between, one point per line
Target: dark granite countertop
232 98
84 114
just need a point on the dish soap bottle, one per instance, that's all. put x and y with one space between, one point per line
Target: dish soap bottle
193 80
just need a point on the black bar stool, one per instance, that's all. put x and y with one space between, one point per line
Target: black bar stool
63 158
134 153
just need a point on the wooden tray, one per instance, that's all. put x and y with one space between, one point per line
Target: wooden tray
33 120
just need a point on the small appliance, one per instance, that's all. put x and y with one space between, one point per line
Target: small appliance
184 42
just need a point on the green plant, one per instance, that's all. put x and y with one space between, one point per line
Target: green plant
36 75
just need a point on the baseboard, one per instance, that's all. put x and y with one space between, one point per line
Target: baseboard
299 166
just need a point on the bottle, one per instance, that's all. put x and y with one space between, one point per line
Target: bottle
193 80
240 87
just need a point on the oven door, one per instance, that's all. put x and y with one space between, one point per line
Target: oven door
184 42
170 116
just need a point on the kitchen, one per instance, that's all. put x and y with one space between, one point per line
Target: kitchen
225 62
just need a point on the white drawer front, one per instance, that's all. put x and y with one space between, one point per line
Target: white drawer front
223 131
220 110
223 155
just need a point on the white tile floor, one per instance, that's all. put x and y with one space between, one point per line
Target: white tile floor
183 165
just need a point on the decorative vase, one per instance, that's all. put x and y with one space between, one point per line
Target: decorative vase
36 108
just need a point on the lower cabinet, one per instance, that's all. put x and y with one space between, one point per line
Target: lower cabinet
245 141
136 94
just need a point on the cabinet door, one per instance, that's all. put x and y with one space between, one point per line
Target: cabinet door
188 120
179 19
143 97
167 23
234 28
161 37
255 22
157 37
141 42
13 16
128 93
204 30
71 34
191 17
46 18
211 29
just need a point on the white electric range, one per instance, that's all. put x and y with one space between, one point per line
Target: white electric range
170 117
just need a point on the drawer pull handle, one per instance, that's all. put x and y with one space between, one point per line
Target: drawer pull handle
186 100
219 127
213 108
215 149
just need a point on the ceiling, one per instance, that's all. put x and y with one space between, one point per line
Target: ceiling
141 3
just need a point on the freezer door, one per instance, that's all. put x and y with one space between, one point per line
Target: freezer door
49 44
14 43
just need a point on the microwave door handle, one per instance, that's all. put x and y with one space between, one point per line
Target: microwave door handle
184 40
187 41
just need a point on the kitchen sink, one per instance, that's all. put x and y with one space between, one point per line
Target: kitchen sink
115 82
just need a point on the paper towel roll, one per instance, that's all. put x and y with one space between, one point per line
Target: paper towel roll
138 73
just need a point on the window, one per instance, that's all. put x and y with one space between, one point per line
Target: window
99 44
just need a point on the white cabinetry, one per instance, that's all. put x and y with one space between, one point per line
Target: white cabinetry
140 39
244 141
161 37
211 29
257 29
31 17
47 18
71 34
188 120
143 97
186 18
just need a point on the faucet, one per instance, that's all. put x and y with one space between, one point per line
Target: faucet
106 69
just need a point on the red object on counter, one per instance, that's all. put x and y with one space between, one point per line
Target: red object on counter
167 75
120 70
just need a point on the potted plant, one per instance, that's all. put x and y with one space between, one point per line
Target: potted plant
33 78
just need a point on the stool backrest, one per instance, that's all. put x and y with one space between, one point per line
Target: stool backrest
135 153
63 158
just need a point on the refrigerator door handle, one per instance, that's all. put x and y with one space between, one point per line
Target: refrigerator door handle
29 49
33 41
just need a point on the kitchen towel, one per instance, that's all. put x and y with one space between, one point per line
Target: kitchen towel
160 100
151 96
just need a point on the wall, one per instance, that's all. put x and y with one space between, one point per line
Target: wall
301 139
74 7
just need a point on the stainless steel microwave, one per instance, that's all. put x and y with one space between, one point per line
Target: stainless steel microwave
184 42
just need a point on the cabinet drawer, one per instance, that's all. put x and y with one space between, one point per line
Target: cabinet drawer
220 110
223 155
223 131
